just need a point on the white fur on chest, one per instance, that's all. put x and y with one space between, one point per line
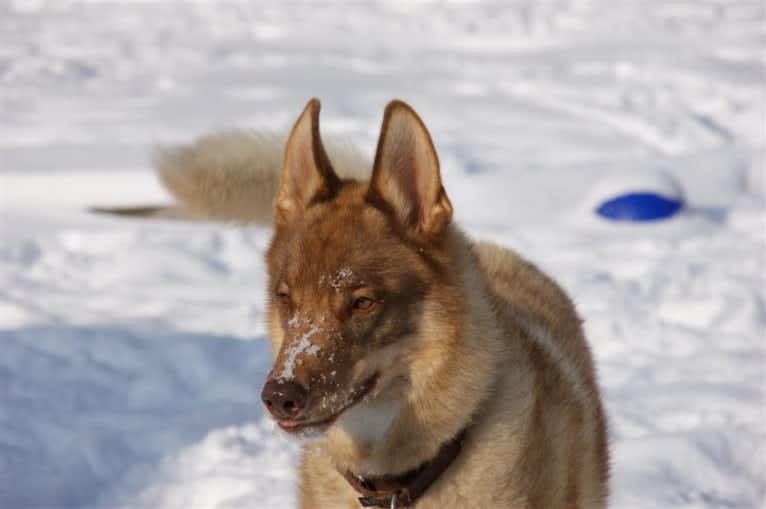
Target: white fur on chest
368 422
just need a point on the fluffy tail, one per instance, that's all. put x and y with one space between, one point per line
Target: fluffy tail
234 175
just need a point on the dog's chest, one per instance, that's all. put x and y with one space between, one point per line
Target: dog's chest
368 423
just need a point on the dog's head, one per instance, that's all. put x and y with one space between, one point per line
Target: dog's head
356 269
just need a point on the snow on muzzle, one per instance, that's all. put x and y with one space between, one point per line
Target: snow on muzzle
313 380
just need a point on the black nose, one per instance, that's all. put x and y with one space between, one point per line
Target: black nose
284 399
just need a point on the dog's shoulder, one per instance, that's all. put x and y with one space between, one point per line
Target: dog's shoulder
531 298
538 315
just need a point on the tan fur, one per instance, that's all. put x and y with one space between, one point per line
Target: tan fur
233 175
461 335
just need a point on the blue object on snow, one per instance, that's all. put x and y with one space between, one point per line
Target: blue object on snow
644 206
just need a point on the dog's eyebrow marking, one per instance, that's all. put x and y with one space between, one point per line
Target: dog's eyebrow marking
342 277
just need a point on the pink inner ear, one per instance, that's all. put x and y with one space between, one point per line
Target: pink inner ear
407 174
303 176
426 173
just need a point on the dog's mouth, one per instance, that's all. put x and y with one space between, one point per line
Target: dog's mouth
311 426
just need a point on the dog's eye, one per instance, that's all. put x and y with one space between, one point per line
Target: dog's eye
283 292
363 303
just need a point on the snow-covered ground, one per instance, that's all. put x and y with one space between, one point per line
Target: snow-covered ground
132 353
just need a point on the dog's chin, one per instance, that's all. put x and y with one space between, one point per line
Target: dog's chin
303 434
306 429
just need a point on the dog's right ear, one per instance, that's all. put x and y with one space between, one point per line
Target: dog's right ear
307 175
405 176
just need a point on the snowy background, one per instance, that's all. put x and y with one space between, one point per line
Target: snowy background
132 353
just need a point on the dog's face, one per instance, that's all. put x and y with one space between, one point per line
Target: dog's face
350 268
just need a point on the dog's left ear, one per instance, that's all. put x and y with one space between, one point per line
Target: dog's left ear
307 175
405 176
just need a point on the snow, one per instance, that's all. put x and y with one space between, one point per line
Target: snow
293 354
616 184
132 353
341 278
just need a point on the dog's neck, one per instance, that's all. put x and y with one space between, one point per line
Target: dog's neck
404 489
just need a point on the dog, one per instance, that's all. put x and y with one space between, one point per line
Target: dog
429 370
